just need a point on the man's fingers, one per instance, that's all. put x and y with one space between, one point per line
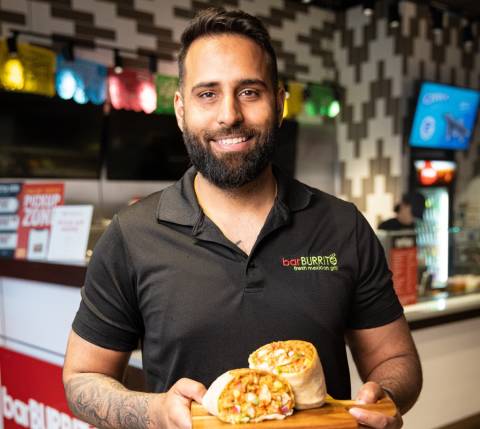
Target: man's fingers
190 389
177 404
180 418
375 420
370 393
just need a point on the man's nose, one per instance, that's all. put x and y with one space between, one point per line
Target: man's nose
229 112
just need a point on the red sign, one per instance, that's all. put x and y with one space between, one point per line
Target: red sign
404 265
36 203
32 394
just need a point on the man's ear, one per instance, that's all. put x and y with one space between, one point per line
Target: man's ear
179 109
280 104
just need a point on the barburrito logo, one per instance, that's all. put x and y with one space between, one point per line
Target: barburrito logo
35 415
312 263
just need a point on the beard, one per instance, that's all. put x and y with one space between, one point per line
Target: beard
230 170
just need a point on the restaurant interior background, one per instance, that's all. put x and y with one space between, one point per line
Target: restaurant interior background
105 157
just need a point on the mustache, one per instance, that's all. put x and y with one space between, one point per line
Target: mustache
230 131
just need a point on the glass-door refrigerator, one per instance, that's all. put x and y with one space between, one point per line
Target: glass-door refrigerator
434 180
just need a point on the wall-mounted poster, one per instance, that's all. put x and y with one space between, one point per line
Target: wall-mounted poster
36 203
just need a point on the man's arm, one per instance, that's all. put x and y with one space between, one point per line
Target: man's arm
387 355
92 378
387 362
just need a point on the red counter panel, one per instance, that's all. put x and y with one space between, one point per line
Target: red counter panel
32 394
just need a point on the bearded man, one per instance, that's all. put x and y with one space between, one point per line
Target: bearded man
231 257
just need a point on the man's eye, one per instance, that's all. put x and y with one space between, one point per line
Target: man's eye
249 93
207 94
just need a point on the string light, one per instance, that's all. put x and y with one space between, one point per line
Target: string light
148 97
13 74
66 84
13 71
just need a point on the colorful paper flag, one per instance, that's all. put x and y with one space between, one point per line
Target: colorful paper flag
132 89
166 88
81 80
31 69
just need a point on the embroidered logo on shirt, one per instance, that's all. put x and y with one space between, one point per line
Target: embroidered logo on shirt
312 263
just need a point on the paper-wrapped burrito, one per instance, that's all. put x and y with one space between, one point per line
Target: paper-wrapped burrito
249 395
297 362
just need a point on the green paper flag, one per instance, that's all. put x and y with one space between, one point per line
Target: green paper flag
166 87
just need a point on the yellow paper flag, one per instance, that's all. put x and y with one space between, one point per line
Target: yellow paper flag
32 69
294 100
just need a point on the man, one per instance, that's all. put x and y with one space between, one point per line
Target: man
407 211
233 256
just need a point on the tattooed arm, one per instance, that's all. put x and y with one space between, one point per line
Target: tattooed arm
91 377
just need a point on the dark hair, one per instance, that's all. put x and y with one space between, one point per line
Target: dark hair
217 20
416 201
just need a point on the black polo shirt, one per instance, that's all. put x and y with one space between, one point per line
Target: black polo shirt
165 275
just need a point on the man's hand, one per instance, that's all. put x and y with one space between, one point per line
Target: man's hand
92 377
174 406
370 393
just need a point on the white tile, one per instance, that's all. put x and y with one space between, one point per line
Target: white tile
43 22
19 6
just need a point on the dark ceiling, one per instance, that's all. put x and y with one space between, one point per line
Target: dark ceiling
467 8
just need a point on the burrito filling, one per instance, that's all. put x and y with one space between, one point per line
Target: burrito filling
252 395
284 357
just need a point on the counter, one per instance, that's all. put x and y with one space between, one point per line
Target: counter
443 308
38 302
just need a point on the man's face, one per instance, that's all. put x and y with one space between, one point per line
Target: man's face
228 109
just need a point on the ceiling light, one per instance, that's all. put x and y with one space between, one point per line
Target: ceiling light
394 14
117 62
467 36
368 7
437 20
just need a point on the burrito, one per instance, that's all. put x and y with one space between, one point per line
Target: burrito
298 363
249 396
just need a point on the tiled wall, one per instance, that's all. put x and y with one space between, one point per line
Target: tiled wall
378 68
302 36
369 131
445 60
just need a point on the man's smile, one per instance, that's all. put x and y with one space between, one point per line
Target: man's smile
231 142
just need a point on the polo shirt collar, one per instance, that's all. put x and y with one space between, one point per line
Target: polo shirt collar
178 203
293 194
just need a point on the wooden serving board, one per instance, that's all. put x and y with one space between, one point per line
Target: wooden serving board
333 415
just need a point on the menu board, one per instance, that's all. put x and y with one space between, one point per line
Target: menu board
36 203
9 206
404 266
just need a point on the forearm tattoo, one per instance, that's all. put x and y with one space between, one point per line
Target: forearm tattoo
107 404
